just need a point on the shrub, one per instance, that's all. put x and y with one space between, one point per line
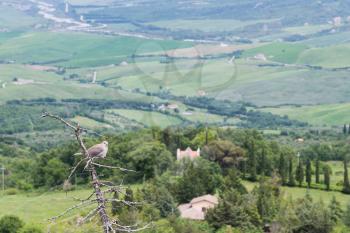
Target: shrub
10 224
11 191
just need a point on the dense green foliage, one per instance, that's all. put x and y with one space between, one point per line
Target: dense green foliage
228 157
10 224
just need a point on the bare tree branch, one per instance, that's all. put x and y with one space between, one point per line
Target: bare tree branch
111 167
78 206
89 216
75 168
128 203
100 198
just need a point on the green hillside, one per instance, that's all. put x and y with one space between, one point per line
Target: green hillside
336 56
79 49
279 52
334 114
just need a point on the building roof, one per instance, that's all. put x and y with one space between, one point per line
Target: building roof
209 198
195 212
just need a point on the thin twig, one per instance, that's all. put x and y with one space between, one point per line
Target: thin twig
75 168
128 203
80 205
89 216
46 114
111 167
86 199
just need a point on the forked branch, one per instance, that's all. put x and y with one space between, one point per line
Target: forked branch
109 225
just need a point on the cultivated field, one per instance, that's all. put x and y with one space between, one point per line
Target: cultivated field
334 114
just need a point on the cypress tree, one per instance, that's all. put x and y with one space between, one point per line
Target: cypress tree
346 188
243 168
327 178
291 179
252 161
282 168
263 163
300 173
308 173
317 172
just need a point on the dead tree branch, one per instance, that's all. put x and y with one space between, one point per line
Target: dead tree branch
109 225
78 206
111 167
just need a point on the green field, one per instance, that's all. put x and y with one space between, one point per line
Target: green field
13 19
148 118
316 194
261 83
307 29
279 52
40 84
79 49
336 56
207 25
89 123
38 208
334 114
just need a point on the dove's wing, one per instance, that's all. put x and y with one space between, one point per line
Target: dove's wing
96 150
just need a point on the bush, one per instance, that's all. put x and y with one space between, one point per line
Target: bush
11 191
10 224
22 185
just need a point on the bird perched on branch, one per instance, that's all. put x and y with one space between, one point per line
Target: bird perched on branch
98 150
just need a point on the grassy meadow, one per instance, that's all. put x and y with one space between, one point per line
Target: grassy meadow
328 114
207 25
148 118
279 52
79 49
42 206
317 195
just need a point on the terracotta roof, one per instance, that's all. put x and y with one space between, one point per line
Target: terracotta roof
196 212
209 198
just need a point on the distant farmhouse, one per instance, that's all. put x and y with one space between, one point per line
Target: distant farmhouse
188 153
198 207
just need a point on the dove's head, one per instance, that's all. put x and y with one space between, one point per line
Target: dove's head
105 143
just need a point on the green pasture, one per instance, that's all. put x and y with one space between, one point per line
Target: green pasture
48 84
79 49
261 83
13 19
335 56
327 114
206 25
278 51
38 208
148 118
89 123
307 29
317 195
